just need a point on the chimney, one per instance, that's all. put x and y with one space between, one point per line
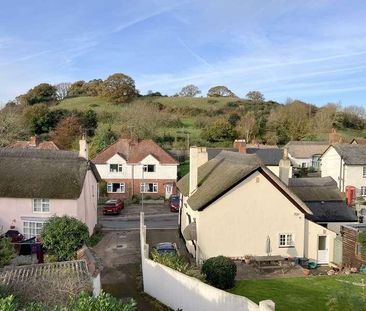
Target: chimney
197 157
83 148
34 141
284 167
241 145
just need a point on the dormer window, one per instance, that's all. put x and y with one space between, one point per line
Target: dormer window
115 168
150 168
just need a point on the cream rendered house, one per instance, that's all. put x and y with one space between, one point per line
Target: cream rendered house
346 164
233 205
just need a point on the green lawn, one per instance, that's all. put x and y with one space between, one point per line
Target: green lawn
290 294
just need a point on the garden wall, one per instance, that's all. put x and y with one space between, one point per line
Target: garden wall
179 291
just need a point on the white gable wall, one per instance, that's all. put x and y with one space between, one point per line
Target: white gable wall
239 222
331 165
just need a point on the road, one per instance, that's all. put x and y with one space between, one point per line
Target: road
169 221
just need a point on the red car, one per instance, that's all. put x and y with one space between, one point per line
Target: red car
174 203
113 207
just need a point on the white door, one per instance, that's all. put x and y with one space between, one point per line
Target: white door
323 255
168 191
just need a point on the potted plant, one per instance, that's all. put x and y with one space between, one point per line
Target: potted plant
248 259
306 271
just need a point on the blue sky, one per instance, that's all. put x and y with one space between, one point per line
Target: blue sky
310 50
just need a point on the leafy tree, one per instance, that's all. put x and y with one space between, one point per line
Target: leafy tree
42 93
76 89
255 96
119 88
190 91
7 251
63 236
67 132
93 87
218 131
104 137
89 122
220 271
233 119
178 263
220 91
62 90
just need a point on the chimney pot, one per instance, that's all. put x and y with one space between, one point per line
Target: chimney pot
83 148
241 145
34 141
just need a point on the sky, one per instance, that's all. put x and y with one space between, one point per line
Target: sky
309 50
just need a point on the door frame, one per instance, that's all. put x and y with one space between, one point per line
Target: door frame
327 248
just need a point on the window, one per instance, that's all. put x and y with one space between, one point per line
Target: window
114 168
41 205
286 240
116 187
149 188
303 165
363 191
364 172
150 168
32 228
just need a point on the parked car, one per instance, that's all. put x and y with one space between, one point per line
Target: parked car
113 207
166 247
174 202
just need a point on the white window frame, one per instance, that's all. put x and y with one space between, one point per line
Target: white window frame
146 168
285 240
32 228
363 191
364 171
119 168
143 188
122 187
44 205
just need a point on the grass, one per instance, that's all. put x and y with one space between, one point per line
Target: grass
311 293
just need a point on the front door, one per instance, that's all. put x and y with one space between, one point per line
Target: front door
168 191
323 255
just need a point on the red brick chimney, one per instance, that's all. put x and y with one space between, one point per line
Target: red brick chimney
34 141
241 145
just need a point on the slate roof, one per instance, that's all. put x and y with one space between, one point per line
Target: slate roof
323 198
220 174
269 156
35 173
352 154
134 151
306 149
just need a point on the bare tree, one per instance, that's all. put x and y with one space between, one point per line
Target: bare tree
62 90
248 126
189 91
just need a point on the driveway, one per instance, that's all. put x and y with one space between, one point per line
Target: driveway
120 254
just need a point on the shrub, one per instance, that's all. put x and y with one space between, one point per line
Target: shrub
175 262
362 240
63 236
220 272
7 251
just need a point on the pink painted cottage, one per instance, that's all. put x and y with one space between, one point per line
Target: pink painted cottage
37 184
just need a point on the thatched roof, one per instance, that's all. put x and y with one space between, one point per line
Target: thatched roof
352 154
306 149
224 172
34 173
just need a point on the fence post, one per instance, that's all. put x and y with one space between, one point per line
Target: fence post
266 305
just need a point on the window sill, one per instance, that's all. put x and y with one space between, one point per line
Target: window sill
291 246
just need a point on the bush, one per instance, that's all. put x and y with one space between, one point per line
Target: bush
63 236
7 251
220 272
175 262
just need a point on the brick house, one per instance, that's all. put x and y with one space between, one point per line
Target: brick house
352 253
131 167
34 143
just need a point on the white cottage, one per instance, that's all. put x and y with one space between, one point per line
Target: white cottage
232 205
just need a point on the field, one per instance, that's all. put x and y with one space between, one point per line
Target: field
289 294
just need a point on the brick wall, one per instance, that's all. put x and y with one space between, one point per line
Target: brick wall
349 241
132 187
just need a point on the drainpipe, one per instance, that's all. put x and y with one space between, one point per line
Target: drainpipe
344 173
133 179
340 175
